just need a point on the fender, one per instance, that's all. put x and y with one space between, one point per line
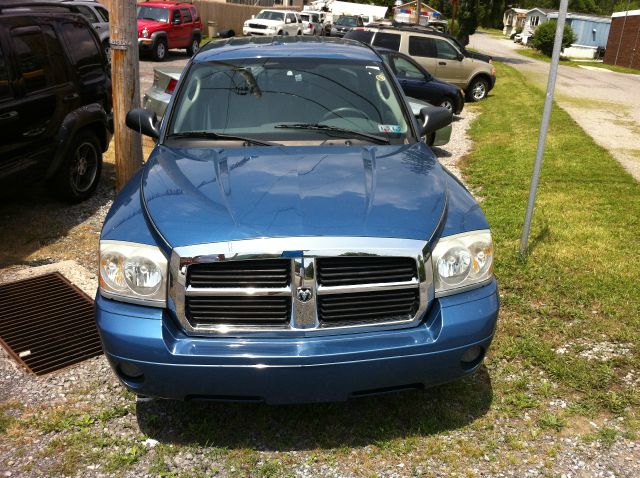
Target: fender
91 115
159 34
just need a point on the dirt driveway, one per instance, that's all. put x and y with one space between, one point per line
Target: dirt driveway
604 103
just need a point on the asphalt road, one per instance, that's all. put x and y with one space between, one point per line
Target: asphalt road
605 104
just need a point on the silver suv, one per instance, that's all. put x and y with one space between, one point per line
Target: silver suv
97 15
437 52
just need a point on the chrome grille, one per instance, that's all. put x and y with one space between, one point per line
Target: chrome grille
257 26
300 286
343 310
251 273
336 271
243 311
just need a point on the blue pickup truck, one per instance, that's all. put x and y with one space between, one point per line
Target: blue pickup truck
291 239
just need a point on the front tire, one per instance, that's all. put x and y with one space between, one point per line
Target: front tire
193 48
106 48
159 50
447 102
478 89
79 173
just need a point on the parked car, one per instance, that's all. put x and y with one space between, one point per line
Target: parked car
439 137
312 23
55 99
437 52
157 97
274 22
283 245
97 15
165 79
418 83
345 24
165 25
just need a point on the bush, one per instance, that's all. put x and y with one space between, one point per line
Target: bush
545 35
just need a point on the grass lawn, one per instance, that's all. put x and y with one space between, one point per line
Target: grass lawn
564 367
491 31
536 55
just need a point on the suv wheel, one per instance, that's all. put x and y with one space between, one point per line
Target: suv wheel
194 47
478 89
77 177
159 51
107 51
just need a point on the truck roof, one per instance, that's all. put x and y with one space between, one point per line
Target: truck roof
286 46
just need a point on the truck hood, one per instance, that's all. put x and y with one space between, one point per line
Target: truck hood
151 25
202 195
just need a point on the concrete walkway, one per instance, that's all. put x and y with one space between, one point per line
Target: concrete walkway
605 104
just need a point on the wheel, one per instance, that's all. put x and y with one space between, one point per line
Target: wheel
299 33
159 50
194 47
79 173
279 32
478 89
447 102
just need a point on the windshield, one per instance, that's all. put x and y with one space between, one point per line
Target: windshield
270 100
153 13
347 21
268 15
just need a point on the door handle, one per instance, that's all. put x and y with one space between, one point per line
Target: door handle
71 97
9 115
443 63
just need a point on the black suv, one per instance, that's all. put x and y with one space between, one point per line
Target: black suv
55 99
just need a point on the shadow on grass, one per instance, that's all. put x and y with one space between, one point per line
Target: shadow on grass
358 422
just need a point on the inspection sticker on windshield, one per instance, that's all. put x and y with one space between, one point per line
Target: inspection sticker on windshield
389 128
380 77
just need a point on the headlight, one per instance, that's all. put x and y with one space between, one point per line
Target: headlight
462 261
145 33
133 273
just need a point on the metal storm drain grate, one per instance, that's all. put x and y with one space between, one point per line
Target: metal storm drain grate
47 323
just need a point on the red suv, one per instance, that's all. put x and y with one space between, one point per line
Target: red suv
164 25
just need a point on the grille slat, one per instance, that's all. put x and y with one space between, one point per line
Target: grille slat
261 310
367 307
340 271
250 273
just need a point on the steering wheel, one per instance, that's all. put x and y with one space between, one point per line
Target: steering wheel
339 113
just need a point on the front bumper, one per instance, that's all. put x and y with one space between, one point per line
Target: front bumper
145 44
295 370
247 31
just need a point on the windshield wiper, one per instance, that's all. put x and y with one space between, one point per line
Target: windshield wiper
333 129
212 135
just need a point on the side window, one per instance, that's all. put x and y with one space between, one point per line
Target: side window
194 14
387 40
5 91
85 53
87 13
299 18
177 18
56 56
31 53
104 13
406 69
422 46
445 50
186 15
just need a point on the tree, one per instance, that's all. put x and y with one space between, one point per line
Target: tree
544 37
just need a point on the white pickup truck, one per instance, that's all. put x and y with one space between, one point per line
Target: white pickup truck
274 22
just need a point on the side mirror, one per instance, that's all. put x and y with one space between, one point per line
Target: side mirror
144 122
460 57
176 21
433 118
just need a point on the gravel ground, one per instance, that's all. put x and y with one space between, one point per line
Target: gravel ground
85 408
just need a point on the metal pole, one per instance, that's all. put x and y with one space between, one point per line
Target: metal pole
544 126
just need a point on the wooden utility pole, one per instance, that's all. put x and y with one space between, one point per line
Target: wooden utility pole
125 78
418 11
